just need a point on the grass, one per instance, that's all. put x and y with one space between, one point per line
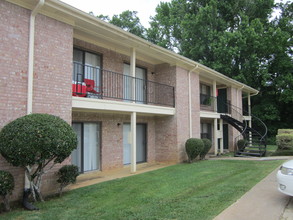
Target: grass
272 148
186 191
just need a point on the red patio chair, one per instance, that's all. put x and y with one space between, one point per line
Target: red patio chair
90 86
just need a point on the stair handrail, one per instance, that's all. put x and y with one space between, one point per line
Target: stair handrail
263 136
238 111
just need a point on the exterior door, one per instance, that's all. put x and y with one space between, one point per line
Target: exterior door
140 143
86 66
140 84
87 154
226 136
222 101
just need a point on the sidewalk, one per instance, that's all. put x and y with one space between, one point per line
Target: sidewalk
262 202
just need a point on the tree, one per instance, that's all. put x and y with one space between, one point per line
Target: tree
128 21
239 39
34 142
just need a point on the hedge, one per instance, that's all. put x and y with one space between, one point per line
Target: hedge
284 141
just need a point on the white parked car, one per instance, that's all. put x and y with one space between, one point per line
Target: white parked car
285 178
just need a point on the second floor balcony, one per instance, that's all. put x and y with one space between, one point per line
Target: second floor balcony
214 104
94 82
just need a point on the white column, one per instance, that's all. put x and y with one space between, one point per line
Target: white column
249 113
215 95
133 142
215 136
222 136
249 104
132 71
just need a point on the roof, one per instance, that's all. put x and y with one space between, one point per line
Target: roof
92 29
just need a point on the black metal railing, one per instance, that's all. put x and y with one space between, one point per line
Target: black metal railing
207 102
93 82
206 135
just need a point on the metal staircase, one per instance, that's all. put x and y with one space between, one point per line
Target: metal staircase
251 142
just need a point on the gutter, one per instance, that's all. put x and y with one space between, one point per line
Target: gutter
190 105
30 77
31 56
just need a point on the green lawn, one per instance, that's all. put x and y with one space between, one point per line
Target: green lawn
272 148
186 191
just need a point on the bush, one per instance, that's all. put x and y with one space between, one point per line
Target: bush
36 140
67 175
207 146
6 187
36 137
284 141
193 147
241 144
285 131
282 153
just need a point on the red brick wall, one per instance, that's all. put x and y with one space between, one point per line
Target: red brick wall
112 136
195 103
13 74
166 126
52 75
14 61
53 67
182 111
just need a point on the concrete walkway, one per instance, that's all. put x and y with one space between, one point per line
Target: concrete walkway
92 178
262 202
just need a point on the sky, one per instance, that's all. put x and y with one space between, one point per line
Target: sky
145 8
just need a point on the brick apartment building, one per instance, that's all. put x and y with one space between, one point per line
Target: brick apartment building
107 82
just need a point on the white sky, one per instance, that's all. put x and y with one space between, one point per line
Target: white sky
144 8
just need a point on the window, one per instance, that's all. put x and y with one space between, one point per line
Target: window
205 95
86 70
206 130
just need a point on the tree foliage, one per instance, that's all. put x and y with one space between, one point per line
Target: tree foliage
35 141
239 39
128 21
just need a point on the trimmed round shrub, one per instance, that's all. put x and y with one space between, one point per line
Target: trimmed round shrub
6 187
34 138
241 144
284 141
193 147
6 183
67 175
207 146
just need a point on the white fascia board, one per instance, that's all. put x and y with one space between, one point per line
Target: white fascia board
247 118
206 114
119 106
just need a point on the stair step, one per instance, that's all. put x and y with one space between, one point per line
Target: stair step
252 151
250 154
254 147
245 156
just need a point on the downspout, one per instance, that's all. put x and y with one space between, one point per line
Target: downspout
31 56
30 78
190 98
